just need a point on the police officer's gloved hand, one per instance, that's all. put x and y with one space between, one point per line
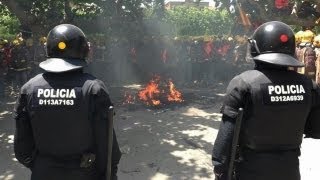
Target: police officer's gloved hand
220 174
113 177
307 136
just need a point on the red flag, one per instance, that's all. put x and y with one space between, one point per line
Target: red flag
208 49
244 18
133 54
281 3
164 56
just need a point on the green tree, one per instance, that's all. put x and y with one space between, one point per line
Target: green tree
260 11
42 15
8 27
9 23
193 21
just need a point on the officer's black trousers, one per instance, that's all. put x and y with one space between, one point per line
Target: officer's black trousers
269 166
49 169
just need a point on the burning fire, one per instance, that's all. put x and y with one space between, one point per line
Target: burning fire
154 94
174 94
151 93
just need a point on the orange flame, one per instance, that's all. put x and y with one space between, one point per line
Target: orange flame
150 94
174 94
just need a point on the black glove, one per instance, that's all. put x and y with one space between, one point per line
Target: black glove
113 177
222 176
220 173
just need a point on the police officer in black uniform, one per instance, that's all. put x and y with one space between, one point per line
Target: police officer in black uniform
19 66
276 103
61 115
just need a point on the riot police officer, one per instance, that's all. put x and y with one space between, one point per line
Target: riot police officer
19 66
61 116
276 103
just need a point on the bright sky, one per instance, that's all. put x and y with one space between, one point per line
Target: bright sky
210 1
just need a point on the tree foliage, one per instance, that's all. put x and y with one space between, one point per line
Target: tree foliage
8 27
260 11
9 22
119 18
42 15
136 18
194 21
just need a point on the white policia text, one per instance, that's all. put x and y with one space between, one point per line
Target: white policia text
56 96
285 93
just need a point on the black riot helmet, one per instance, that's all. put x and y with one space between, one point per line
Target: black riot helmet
67 49
274 43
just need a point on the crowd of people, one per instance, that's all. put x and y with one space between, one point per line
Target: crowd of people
193 60
308 52
19 61
188 61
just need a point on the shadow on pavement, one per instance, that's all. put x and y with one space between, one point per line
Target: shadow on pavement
172 142
9 167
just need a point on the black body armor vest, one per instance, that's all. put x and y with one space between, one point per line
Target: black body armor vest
59 111
280 102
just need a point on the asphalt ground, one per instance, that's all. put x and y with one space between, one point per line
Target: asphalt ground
158 144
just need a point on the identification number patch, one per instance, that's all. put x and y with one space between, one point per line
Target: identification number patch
283 93
49 97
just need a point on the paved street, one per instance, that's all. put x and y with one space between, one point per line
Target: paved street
168 144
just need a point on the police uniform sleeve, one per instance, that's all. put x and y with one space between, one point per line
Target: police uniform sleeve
24 145
235 98
312 126
101 102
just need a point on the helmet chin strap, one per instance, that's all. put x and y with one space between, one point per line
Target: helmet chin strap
254 44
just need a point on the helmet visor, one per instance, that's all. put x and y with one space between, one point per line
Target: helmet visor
279 59
59 65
